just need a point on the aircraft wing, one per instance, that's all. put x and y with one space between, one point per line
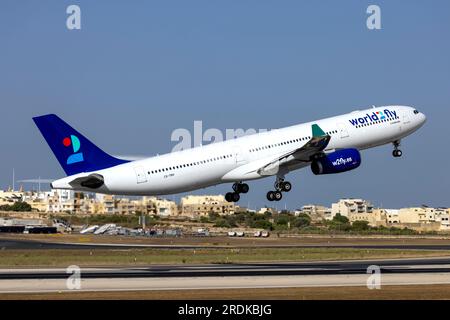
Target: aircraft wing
315 145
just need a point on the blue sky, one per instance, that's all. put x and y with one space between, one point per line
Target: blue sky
138 70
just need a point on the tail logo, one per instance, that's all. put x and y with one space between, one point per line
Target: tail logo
73 142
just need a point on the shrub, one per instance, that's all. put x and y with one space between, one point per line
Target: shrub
360 225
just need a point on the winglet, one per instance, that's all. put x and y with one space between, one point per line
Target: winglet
317 131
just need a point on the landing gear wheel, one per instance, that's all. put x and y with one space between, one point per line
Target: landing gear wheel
244 188
232 197
271 196
278 195
229 196
397 153
240 187
286 186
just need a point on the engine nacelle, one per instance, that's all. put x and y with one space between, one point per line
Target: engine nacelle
336 162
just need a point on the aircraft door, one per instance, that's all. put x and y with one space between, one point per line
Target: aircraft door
238 155
342 130
141 177
406 119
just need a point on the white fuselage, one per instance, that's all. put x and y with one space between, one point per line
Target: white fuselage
238 159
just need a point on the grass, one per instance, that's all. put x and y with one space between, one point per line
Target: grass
133 257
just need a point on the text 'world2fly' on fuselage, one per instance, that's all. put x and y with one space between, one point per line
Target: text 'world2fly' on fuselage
327 146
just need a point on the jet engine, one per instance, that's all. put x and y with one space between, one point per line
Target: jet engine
336 162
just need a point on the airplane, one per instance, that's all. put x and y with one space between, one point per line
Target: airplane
327 146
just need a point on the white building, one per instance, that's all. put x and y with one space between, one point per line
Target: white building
425 216
9 197
59 200
267 209
392 216
353 209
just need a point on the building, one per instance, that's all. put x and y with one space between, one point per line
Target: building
125 206
59 201
378 217
263 210
316 212
107 203
196 206
426 218
9 197
353 209
442 215
415 215
159 207
392 216
165 208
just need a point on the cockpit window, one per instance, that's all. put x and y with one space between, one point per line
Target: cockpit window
416 111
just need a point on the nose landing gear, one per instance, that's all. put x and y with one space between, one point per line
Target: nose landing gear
396 152
274 195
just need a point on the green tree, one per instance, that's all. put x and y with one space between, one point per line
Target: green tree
360 225
339 223
303 220
222 223
20 206
340 218
268 214
213 216
5 207
262 224
282 220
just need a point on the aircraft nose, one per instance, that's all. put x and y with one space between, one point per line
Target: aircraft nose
423 118
419 117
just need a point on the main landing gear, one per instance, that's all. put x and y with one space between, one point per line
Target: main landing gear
280 186
238 188
396 152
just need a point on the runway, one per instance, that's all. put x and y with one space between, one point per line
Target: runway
42 245
431 265
257 275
